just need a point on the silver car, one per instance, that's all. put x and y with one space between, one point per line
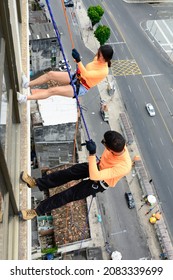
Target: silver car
150 109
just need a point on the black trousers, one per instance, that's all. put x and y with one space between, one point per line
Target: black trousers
81 190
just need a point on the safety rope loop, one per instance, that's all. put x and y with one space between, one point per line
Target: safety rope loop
64 57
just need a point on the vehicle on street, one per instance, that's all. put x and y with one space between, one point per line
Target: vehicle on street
150 109
68 3
104 111
130 200
62 63
42 5
64 67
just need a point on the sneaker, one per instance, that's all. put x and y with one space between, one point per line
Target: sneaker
31 182
21 98
28 214
25 82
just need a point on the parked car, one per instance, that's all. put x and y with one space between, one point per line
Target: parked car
42 5
68 3
150 109
62 62
64 67
104 111
130 200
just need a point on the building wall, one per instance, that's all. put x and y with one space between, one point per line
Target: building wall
14 123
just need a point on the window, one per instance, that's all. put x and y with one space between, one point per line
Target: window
9 134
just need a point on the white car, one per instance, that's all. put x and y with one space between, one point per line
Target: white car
62 62
150 109
64 67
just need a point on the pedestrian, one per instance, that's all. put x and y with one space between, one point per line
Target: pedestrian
114 164
86 77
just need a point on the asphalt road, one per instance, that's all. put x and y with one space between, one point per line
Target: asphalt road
149 81
122 227
123 230
153 83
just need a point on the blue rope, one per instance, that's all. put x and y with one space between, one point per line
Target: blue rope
63 54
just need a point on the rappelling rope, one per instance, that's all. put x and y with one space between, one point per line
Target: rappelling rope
64 57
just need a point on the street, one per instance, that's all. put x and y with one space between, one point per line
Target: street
144 76
151 84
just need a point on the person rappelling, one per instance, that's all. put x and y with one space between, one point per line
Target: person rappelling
85 77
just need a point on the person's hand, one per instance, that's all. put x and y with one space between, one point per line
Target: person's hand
91 147
76 55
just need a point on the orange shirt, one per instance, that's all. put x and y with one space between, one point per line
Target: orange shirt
94 72
112 167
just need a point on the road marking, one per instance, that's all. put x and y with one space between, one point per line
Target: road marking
152 75
163 34
167 27
159 165
117 43
118 232
170 163
153 122
169 190
125 67
169 110
150 142
139 88
161 141
129 88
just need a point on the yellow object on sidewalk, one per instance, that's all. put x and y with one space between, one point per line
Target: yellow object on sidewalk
153 220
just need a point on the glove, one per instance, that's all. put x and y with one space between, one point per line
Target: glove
76 55
91 147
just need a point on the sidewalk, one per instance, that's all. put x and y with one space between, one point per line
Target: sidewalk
115 107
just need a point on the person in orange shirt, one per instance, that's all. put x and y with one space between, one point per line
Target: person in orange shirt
88 77
114 164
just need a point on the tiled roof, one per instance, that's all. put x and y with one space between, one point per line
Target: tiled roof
70 221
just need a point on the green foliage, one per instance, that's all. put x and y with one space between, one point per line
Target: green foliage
99 10
49 250
102 34
93 15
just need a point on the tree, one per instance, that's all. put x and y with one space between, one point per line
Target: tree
93 15
99 10
102 33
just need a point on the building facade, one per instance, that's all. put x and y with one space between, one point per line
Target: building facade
14 128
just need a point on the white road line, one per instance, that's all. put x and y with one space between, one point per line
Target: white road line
159 165
118 232
170 163
150 142
136 105
149 69
167 27
153 122
129 88
161 31
169 190
153 75
139 88
161 141
143 123
169 110
117 43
